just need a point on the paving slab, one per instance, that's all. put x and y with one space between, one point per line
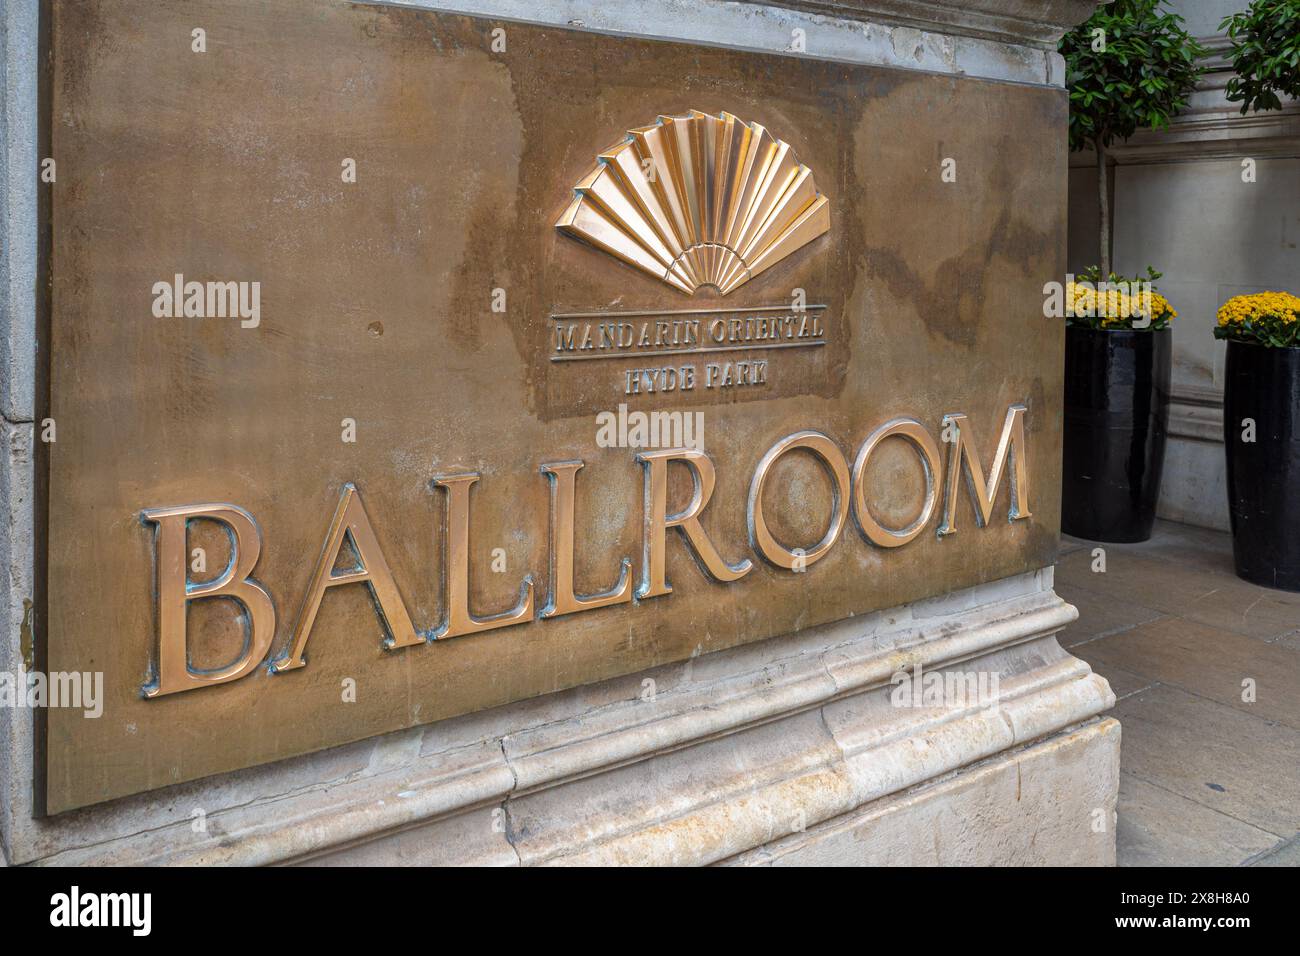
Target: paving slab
1122 682
1100 614
1208 662
1069 544
1287 854
1208 596
1242 766
1208 777
1158 828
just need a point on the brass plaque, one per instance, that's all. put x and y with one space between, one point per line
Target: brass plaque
405 364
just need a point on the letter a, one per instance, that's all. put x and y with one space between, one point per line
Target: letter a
351 522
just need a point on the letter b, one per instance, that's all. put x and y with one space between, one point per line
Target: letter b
175 592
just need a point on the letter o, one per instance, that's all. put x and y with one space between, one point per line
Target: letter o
920 439
836 466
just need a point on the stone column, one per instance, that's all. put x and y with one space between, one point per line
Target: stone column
797 749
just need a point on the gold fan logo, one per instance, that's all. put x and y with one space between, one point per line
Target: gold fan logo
698 200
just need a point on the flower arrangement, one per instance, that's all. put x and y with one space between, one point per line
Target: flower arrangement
1118 303
1262 318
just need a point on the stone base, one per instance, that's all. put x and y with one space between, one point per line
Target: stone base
1050 804
855 781
794 750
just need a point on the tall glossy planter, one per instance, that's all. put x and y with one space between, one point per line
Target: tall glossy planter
1263 384
1116 425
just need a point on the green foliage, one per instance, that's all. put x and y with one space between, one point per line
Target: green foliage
1093 274
1270 331
1265 54
1136 73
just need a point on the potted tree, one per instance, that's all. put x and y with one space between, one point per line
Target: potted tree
1265 54
1261 394
1130 66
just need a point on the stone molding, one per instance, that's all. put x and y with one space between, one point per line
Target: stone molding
1005 40
1211 128
1031 22
741 740
1196 413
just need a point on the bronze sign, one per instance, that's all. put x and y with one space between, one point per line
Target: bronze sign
351 437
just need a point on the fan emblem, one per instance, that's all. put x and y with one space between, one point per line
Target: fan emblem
698 200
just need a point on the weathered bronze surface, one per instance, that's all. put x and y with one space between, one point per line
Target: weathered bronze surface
454 556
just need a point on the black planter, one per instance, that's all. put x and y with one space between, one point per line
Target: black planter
1116 423
1264 475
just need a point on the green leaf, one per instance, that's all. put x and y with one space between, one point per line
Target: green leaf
1265 54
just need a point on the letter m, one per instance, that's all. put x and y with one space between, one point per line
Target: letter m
222 300
962 456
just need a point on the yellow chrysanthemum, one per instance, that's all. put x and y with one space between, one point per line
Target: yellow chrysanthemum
1243 309
1115 306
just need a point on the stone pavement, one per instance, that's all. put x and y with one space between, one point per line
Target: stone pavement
1208 774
